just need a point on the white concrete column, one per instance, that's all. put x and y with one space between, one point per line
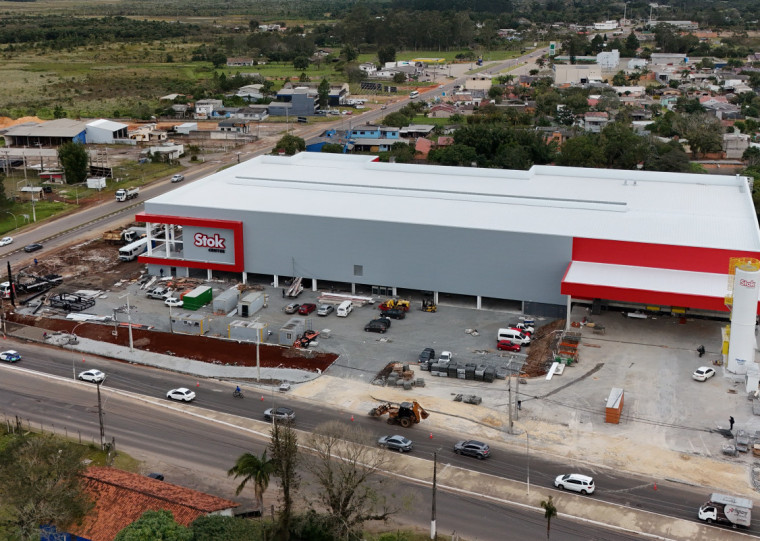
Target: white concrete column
209 274
395 291
245 277
313 284
353 288
435 297
478 302
149 236
567 314
276 280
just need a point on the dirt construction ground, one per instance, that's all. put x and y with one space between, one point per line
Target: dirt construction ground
94 266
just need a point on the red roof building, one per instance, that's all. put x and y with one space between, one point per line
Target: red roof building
121 497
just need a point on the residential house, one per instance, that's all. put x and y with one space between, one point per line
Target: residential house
168 151
121 497
444 141
416 130
667 59
442 111
637 64
723 110
734 145
205 108
240 62
595 121
373 138
369 68
234 125
634 91
255 113
251 92
148 133
608 60
422 148
180 110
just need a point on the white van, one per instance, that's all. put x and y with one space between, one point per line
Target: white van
513 335
345 308
413 94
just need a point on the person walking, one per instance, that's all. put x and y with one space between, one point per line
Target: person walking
731 422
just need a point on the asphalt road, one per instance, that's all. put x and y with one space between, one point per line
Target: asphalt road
194 443
668 498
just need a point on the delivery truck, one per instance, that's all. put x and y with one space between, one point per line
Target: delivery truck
124 194
725 509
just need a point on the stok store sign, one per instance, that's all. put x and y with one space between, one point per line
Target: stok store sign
202 240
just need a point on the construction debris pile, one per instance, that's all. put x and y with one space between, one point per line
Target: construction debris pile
542 349
398 375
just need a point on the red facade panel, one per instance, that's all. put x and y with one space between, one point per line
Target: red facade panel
659 256
235 226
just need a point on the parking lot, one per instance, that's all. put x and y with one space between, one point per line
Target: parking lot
670 423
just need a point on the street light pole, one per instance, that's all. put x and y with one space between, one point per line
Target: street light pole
129 322
100 419
433 530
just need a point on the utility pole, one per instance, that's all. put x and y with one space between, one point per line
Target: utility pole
509 383
517 396
100 419
433 531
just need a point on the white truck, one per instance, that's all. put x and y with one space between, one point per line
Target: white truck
727 509
123 194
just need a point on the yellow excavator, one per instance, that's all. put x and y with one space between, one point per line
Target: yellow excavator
404 414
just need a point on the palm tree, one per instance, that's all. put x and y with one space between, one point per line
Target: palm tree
253 468
550 511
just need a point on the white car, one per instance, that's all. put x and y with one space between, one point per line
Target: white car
182 393
174 302
95 376
178 178
575 482
5 241
11 356
703 373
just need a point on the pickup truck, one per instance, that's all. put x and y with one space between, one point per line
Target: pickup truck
159 292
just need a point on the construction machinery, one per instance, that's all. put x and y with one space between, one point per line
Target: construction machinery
304 341
429 306
404 414
395 304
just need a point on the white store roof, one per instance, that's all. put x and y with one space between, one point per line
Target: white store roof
638 206
108 125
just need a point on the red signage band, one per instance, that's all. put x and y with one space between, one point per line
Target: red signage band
207 241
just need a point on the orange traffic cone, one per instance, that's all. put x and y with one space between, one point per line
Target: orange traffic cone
197 383
655 486
262 398
431 435
352 418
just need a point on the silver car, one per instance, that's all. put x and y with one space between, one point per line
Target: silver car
396 443
325 309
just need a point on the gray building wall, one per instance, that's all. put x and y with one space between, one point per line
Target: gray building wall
496 264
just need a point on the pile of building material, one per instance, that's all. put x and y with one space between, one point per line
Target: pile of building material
566 348
400 375
468 399
469 371
337 298
541 355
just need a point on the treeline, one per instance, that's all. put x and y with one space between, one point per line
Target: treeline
64 31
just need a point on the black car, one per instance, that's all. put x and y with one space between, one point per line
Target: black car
395 314
384 321
427 355
32 247
375 326
475 448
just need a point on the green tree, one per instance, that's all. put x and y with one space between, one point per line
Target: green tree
349 53
158 525
256 469
283 446
218 60
219 528
397 119
704 132
622 148
399 77
386 54
564 117
346 470
290 144
301 62
58 112
631 45
74 160
323 93
332 148
752 156
550 511
619 79
582 151
40 483
455 155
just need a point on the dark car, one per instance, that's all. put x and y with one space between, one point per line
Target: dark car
32 247
475 448
394 313
508 345
397 443
307 309
156 476
47 189
427 355
384 321
281 414
375 326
